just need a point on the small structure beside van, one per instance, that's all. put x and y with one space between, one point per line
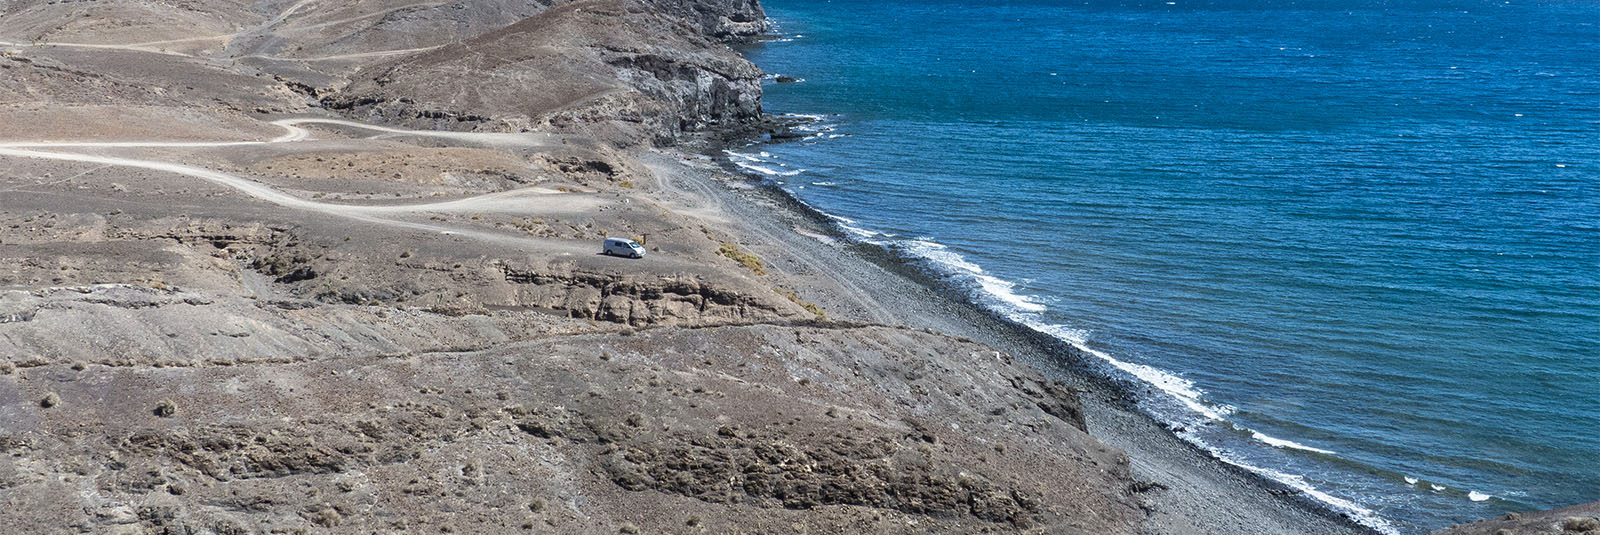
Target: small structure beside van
622 247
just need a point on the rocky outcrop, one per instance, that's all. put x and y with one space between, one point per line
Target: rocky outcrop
734 21
637 302
1583 519
772 469
623 71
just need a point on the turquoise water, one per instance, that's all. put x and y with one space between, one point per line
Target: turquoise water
1354 246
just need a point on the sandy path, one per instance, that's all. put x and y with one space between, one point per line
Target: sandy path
133 47
524 201
268 27
153 47
354 55
378 13
263 28
527 139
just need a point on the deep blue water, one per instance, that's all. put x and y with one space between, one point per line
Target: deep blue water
1353 244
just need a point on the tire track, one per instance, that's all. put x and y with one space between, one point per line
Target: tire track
520 201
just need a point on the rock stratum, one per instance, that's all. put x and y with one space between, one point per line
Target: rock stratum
332 267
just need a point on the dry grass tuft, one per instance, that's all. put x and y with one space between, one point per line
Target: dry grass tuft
166 408
749 260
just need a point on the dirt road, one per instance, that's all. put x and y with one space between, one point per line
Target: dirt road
531 202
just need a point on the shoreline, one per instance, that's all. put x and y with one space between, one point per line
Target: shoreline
397 318
1233 500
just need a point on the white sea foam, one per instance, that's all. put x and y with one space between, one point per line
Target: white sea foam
1478 496
816 127
1435 488
850 226
942 255
757 168
866 235
952 262
824 183
742 156
1411 481
1281 443
817 131
763 163
1358 513
1026 309
1005 291
764 169
1178 388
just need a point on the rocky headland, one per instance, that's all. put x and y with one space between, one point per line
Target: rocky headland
333 267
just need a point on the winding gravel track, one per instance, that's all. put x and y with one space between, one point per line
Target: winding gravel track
265 28
355 55
521 201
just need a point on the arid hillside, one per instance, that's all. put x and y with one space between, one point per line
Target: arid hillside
334 267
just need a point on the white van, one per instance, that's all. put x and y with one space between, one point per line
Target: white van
622 247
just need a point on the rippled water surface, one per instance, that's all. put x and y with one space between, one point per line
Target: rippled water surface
1352 245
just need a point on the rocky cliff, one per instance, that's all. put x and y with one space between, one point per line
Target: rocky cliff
734 21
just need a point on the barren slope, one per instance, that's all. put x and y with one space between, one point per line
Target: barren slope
610 69
228 308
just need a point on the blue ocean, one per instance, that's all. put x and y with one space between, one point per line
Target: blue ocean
1350 245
